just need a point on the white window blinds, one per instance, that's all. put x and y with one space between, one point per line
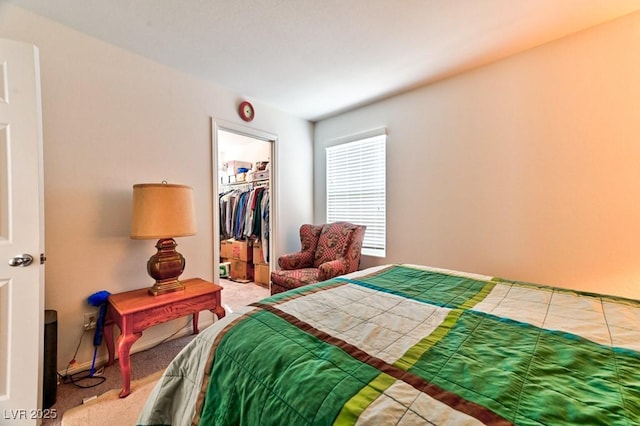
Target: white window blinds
356 190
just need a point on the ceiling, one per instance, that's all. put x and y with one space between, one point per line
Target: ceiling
316 58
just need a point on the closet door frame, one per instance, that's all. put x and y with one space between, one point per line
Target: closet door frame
220 125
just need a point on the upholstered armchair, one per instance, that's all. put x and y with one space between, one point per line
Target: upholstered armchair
326 251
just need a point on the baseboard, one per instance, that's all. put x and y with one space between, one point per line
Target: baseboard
102 360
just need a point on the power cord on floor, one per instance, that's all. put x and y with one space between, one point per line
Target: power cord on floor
78 378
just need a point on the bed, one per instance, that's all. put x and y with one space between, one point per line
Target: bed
409 344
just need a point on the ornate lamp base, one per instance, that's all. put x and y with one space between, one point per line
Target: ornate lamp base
165 267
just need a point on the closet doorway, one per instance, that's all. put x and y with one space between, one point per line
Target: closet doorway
243 203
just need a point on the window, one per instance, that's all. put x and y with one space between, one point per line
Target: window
356 190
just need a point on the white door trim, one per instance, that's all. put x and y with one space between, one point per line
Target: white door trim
218 125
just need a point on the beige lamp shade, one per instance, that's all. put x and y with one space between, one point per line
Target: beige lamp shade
162 210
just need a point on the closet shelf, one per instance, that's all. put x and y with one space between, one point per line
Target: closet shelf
249 182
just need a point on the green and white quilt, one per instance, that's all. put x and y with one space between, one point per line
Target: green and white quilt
406 344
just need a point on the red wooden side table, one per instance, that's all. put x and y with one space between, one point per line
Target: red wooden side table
135 311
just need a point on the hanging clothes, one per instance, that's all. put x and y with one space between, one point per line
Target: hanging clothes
264 235
242 214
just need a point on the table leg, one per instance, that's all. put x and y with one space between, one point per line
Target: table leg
124 346
219 311
195 322
108 337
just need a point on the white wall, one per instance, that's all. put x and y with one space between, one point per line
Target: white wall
528 168
112 119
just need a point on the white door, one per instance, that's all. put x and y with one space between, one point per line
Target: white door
21 232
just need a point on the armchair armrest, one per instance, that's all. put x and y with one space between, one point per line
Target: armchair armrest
332 269
299 260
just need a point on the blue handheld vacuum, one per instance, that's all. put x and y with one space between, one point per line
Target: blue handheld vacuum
98 299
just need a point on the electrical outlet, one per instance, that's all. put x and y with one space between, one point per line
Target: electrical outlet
90 319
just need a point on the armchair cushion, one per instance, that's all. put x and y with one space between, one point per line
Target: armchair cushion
286 280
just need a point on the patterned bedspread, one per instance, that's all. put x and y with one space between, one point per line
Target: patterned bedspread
406 344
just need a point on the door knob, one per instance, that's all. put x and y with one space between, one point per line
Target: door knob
21 260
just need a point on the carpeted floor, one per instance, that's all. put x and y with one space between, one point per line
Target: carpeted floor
150 361
109 409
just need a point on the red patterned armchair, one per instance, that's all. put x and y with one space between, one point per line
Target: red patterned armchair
327 251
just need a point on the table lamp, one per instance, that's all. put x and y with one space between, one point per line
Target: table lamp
163 211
